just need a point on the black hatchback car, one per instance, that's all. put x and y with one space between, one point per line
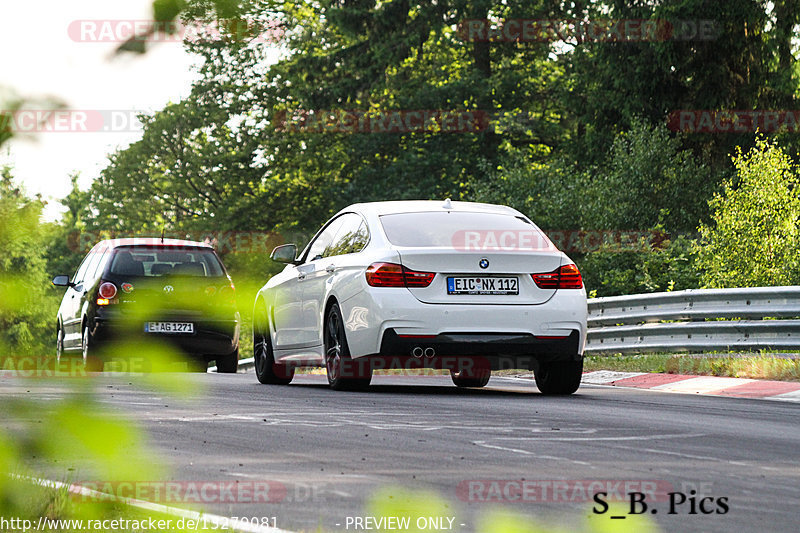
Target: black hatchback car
168 290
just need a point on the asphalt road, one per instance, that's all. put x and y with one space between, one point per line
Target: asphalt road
326 453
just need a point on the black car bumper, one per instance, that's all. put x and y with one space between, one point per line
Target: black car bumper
211 337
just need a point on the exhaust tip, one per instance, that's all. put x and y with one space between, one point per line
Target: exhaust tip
417 352
429 352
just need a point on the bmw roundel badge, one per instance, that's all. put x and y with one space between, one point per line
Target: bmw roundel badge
484 263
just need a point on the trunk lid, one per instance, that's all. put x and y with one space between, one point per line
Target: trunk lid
473 282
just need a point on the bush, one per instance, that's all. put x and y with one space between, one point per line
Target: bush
666 267
754 238
27 302
648 180
550 193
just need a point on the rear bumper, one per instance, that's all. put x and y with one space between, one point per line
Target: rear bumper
211 337
499 351
392 322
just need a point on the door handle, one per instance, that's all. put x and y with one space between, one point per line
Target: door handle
330 268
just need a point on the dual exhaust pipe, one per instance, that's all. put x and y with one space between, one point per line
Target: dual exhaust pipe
418 352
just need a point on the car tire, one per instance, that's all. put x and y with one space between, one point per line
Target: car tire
559 377
59 344
476 376
228 364
62 354
54 363
343 372
91 362
268 371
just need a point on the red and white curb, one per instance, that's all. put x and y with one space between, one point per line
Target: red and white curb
787 391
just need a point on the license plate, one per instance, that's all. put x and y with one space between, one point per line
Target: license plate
169 327
482 285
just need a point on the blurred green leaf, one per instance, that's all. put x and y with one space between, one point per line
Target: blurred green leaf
82 432
402 503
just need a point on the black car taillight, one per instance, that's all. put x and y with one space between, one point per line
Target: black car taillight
106 293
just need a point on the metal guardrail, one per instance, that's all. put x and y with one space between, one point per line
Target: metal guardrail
696 320
244 365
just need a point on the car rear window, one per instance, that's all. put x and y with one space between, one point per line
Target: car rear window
464 231
153 261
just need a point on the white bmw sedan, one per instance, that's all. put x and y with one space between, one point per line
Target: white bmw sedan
454 285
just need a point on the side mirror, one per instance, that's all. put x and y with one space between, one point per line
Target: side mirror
62 281
286 253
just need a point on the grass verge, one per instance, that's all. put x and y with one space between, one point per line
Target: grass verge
752 366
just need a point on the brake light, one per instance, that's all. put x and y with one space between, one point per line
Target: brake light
564 277
107 290
394 275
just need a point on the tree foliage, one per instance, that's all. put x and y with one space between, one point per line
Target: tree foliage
27 312
753 238
576 138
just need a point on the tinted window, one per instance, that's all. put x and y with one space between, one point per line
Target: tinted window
96 268
323 240
88 265
154 261
351 237
78 277
464 231
103 263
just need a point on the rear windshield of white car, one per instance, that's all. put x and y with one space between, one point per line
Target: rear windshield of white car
165 261
464 231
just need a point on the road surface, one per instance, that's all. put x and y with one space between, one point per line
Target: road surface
319 455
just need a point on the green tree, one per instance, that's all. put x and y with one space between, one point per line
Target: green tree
753 238
27 302
577 136
648 180
745 65
646 267
67 239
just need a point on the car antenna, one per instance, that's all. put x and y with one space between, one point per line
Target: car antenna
163 225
